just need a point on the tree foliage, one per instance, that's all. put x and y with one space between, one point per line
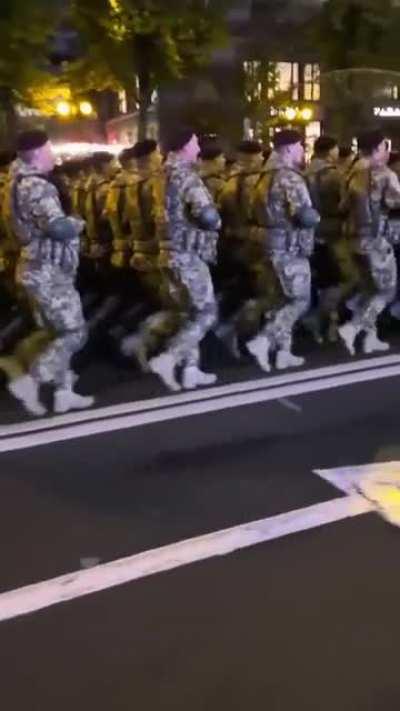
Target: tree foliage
357 42
152 40
358 33
25 30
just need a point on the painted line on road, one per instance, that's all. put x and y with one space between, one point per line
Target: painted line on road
269 382
179 411
39 596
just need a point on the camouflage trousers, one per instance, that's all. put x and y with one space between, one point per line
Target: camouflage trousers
293 275
164 318
192 293
57 311
375 273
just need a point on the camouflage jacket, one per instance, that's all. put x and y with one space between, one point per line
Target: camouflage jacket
33 205
186 198
237 199
98 229
325 184
370 200
117 214
281 195
9 247
213 178
146 212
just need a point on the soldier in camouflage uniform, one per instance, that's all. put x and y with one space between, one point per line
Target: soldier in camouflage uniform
244 280
14 311
212 170
146 211
325 183
116 210
99 275
284 212
99 235
8 245
48 260
189 246
372 191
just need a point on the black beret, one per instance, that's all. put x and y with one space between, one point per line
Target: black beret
250 147
126 155
101 158
211 152
345 151
324 144
141 149
30 140
287 137
179 138
369 140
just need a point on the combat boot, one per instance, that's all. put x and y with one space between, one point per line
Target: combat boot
193 377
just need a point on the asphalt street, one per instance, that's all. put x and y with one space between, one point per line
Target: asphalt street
303 621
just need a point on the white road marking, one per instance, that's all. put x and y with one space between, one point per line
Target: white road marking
39 596
349 479
379 483
182 409
205 394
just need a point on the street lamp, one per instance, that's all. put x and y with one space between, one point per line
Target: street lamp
85 108
306 114
290 113
64 108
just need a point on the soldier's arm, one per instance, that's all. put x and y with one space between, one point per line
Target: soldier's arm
201 205
47 213
392 192
158 204
298 201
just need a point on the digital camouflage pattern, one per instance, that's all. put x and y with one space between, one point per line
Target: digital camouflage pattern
281 195
186 198
58 313
46 270
370 193
184 256
34 204
191 291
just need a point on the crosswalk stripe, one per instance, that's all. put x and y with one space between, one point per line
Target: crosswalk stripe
39 596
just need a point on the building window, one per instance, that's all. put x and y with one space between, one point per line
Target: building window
122 102
286 79
265 80
312 82
253 89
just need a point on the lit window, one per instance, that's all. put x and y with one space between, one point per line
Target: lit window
286 80
123 102
312 86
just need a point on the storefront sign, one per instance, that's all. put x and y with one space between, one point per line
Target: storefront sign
387 111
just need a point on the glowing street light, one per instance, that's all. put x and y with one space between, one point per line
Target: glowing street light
64 108
85 108
290 113
306 114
